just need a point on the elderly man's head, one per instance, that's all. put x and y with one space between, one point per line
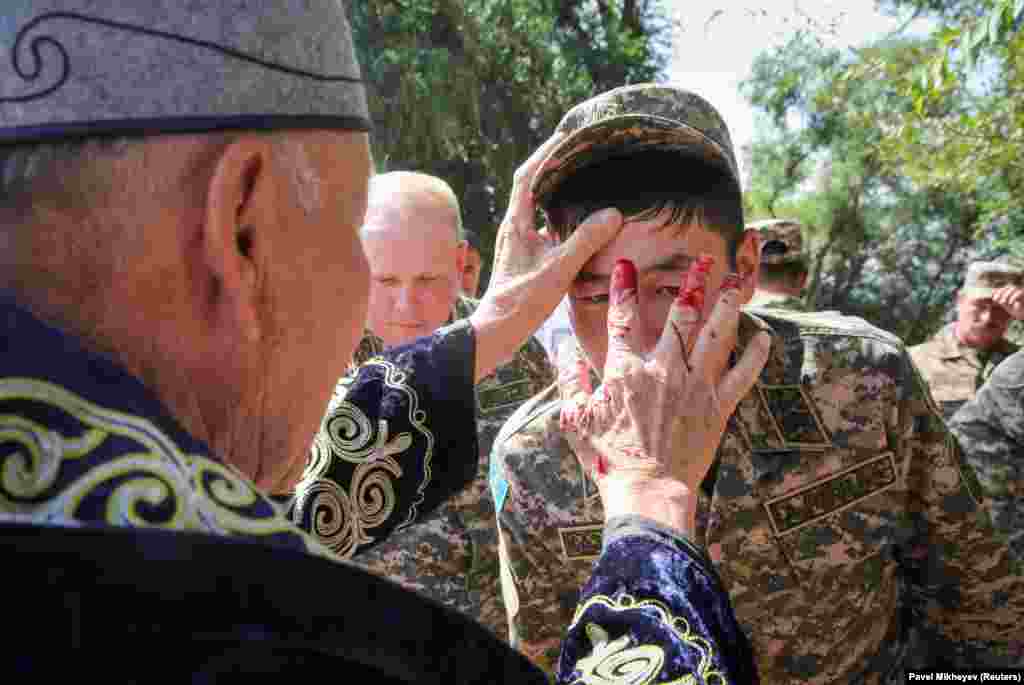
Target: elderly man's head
186 198
412 238
205 264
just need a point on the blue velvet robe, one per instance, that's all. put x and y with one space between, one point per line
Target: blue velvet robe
85 444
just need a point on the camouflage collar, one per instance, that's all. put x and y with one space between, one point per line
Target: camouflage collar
751 325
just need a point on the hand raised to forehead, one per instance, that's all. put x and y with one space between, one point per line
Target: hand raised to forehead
660 417
1010 298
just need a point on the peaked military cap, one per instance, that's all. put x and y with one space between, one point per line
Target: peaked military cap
635 118
984 278
80 68
783 239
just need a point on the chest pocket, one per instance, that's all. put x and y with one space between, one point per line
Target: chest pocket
839 521
827 507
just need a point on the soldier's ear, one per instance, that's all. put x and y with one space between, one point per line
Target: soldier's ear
748 263
460 257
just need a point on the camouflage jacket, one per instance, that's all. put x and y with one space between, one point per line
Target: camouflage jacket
954 371
452 555
764 299
839 514
990 429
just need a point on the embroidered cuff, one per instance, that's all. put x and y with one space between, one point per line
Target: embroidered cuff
633 525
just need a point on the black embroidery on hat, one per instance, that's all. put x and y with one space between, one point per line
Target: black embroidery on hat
36 43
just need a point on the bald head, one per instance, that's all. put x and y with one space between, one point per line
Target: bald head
397 197
412 237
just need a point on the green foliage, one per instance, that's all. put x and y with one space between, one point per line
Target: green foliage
966 128
883 247
900 156
467 89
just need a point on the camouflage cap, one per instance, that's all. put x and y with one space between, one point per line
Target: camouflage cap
785 238
81 68
634 118
984 278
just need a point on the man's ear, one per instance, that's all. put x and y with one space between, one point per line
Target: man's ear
237 213
748 263
460 258
802 281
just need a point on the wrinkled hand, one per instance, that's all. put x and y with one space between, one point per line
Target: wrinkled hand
655 422
520 248
1010 298
531 273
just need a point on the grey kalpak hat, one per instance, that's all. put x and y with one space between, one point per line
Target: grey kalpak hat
631 119
77 68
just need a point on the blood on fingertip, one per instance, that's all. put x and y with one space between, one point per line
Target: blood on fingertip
731 282
624 275
691 297
623 280
705 262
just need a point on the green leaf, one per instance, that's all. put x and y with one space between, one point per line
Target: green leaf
1018 9
939 72
995 22
978 35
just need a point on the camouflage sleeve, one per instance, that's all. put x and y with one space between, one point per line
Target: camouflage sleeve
549 534
654 610
990 430
398 439
968 591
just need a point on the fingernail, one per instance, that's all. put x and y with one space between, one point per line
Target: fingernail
691 297
731 282
623 280
697 274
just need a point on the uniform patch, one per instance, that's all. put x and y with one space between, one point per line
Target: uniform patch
581 543
493 399
498 482
813 502
796 415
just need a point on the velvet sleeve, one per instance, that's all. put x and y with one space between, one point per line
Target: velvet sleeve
398 438
654 611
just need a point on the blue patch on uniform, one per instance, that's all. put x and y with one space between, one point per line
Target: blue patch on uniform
498 482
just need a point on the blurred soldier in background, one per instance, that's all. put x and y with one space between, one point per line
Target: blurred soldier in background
417 259
783 265
963 354
471 266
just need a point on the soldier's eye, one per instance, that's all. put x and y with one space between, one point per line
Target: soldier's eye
668 291
595 299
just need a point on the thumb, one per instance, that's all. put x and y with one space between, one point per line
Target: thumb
599 229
